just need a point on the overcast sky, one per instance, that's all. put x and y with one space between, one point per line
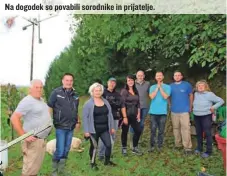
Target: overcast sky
15 46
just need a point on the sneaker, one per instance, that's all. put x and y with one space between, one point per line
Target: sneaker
197 152
94 166
137 151
205 155
124 151
151 150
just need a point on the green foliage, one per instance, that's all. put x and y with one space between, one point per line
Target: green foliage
116 45
10 97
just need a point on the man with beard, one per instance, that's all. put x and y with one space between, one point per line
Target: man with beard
159 93
181 106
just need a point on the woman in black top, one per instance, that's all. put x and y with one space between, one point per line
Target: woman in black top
131 115
98 123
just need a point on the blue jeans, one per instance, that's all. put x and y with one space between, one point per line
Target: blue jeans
102 147
63 143
157 121
143 114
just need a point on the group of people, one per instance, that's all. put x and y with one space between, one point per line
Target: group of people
107 110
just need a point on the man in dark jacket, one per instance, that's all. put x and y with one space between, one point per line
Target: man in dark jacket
64 102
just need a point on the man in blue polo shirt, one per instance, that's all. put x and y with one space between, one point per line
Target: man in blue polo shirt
181 106
159 94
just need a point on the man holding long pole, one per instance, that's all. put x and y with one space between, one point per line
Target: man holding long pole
35 114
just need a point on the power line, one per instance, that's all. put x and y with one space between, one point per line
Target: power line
34 22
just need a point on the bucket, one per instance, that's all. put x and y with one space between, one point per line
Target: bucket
222 146
3 155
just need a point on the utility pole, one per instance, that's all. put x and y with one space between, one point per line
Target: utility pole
34 23
32 51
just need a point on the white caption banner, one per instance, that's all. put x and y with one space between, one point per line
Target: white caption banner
114 6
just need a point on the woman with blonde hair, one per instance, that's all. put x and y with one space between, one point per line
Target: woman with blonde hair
204 105
98 123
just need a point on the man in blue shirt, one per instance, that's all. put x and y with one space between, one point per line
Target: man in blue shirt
181 106
159 94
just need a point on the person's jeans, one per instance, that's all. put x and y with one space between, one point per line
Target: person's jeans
102 147
143 114
157 121
204 124
63 143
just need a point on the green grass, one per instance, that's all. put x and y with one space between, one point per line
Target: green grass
167 163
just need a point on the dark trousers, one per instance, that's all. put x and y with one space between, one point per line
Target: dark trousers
204 124
105 137
143 114
137 132
157 121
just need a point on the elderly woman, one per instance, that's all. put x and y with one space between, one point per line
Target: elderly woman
204 105
98 123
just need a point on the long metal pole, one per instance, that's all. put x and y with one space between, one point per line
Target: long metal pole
40 40
34 132
12 131
32 50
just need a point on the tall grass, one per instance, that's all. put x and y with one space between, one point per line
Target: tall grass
167 163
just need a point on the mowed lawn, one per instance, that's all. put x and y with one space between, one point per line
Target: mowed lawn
167 163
